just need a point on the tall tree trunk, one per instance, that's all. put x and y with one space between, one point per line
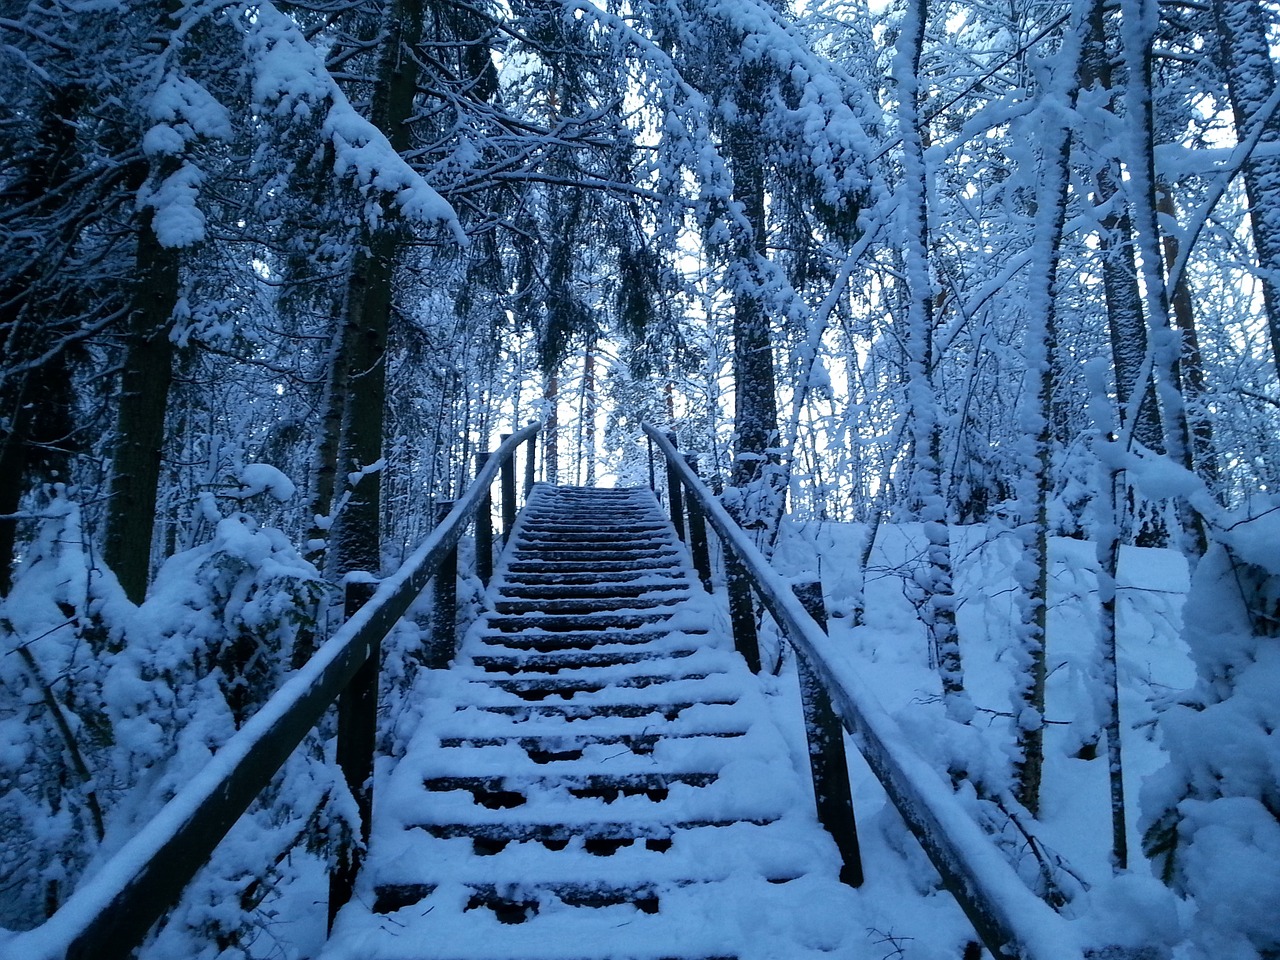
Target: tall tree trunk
144 399
1139 19
1204 451
324 467
356 541
926 497
1245 55
755 388
551 430
1035 487
1106 428
1125 318
588 415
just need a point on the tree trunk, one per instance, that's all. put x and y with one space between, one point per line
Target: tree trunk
1139 19
551 430
144 399
1035 488
1125 318
755 389
1203 449
356 541
324 467
1246 59
926 498
588 415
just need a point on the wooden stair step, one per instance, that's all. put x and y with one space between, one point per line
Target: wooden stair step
581 639
553 749
573 659
516 903
548 563
571 713
537 534
574 623
599 838
538 689
629 579
610 556
570 606
591 589
507 793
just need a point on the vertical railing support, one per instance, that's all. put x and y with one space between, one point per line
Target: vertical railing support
653 477
828 762
742 610
698 532
674 496
444 620
508 494
357 733
530 464
484 529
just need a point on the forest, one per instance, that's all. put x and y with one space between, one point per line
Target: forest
995 275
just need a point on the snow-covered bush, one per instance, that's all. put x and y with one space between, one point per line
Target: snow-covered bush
107 709
54 737
1213 813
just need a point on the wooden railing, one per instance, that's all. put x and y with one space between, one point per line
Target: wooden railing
107 916
1012 922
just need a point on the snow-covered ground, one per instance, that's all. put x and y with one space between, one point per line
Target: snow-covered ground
890 650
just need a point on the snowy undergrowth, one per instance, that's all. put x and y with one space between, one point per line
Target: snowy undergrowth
1212 813
890 648
107 708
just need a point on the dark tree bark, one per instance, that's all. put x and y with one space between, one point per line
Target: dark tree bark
1246 60
755 388
1126 322
140 416
551 429
356 541
1194 385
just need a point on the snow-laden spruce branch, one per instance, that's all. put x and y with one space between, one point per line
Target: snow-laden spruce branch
832 130
290 78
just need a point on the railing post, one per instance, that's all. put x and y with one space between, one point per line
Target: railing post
674 495
698 531
508 494
357 733
653 479
530 464
742 610
828 763
484 529
444 620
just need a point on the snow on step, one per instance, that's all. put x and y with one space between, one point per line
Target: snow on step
598 776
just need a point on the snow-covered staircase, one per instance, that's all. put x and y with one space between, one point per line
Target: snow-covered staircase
599 775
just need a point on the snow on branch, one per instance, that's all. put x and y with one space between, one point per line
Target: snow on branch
289 78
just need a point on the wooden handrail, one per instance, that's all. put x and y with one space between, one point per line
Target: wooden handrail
109 914
1012 921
